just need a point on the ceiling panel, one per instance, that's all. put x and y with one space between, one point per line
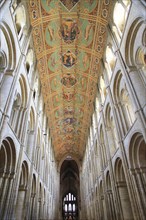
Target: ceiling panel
69 39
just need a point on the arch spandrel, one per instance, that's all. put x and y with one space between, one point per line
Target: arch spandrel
69 39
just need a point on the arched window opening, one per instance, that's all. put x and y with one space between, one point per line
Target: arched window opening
141 61
69 206
20 20
111 130
16 3
21 197
34 94
102 88
111 206
127 108
3 64
122 8
15 111
7 171
70 190
123 190
33 197
137 163
29 61
110 59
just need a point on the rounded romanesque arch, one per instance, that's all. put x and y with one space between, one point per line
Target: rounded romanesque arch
137 152
133 42
110 198
123 102
33 197
20 20
137 164
8 50
22 190
123 190
7 171
18 111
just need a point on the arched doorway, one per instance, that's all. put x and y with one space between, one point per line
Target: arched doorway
69 190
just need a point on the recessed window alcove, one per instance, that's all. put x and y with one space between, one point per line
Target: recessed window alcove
69 190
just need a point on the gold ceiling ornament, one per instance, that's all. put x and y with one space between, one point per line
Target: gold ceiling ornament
69 39
69 34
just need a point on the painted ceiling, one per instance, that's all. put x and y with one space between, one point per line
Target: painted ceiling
69 38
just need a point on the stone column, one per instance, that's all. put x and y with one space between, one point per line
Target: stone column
30 144
7 195
140 193
111 206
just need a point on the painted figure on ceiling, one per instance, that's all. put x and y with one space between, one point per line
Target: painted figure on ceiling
68 129
68 80
69 30
68 110
69 121
68 96
69 59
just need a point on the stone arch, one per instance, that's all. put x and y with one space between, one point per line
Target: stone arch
33 197
29 60
20 19
18 111
130 53
8 49
15 110
137 152
110 60
97 108
102 89
3 60
7 168
123 190
102 200
72 157
119 21
137 164
32 119
110 198
21 197
24 90
70 180
123 102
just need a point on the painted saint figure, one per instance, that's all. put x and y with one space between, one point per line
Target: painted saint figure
68 80
69 30
69 59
